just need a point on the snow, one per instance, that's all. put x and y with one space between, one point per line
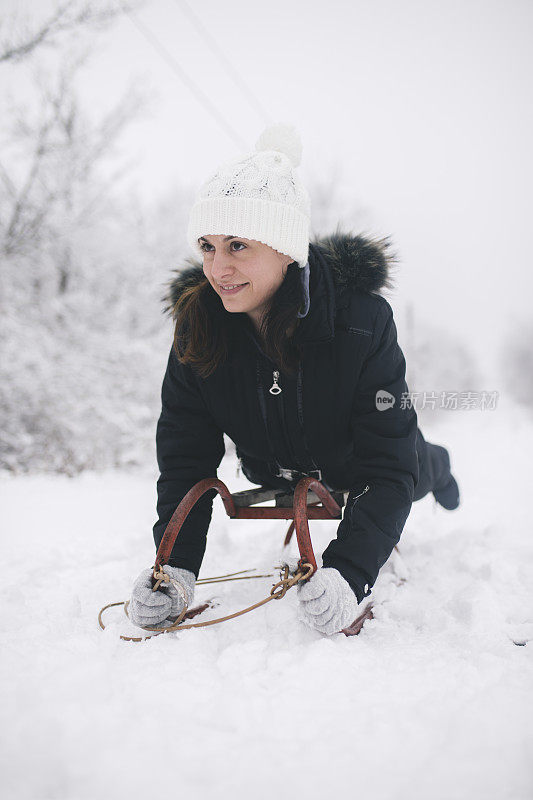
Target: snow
432 700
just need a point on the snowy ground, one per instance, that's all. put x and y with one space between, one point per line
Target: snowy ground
432 700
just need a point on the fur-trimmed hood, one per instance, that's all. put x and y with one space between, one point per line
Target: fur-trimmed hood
358 261
339 264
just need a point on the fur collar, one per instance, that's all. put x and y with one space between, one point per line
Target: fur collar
356 261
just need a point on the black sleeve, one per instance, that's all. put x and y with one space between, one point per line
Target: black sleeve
190 447
387 462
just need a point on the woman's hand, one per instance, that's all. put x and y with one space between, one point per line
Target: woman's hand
162 607
326 601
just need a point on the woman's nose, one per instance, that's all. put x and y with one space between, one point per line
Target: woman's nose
220 268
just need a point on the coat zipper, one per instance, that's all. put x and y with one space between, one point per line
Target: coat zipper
276 389
259 385
356 498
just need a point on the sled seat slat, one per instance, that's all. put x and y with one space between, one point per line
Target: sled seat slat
283 499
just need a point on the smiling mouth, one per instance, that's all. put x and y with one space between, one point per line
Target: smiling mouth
233 287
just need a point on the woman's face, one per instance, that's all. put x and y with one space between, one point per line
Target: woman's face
230 260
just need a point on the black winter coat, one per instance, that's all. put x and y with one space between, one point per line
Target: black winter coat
327 418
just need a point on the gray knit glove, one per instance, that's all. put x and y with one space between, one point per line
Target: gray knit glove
327 602
162 607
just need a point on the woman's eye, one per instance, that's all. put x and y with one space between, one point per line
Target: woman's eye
205 245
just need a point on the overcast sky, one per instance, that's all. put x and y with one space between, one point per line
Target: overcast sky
425 108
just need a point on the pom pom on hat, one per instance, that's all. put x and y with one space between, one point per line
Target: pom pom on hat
284 139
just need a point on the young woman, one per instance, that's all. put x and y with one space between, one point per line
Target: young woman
287 346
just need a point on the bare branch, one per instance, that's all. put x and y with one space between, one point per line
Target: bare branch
63 150
13 227
68 17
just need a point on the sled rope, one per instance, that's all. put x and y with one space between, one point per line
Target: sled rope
278 591
228 577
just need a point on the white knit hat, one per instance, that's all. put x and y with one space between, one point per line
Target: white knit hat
258 197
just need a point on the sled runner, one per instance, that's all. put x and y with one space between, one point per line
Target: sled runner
310 500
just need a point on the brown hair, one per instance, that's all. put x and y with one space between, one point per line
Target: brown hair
204 330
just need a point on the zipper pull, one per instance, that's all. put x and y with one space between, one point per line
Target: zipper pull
275 389
239 464
363 492
357 496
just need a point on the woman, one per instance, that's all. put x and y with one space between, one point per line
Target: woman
287 346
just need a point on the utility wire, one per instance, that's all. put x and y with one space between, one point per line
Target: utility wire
230 69
180 72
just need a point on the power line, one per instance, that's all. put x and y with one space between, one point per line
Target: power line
230 69
180 72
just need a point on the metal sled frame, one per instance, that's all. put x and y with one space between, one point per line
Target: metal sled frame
310 500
